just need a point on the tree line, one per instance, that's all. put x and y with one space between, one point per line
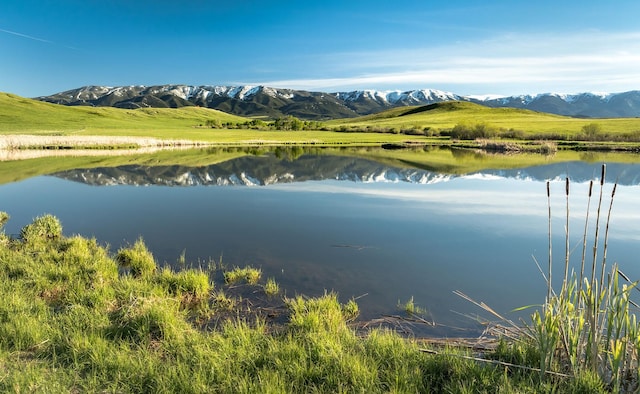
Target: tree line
286 123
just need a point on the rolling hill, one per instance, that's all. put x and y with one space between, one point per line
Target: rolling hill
19 114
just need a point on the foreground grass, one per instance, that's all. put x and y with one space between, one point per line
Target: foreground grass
75 319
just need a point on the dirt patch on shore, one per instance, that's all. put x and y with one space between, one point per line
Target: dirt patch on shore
22 147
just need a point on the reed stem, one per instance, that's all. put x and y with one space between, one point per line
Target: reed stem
584 244
549 286
595 241
566 243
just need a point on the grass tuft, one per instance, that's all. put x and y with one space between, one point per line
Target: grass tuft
137 259
247 274
410 307
42 229
271 288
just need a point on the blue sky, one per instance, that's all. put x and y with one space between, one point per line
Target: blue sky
466 47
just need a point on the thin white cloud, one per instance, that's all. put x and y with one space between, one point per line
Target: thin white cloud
571 63
35 38
25 36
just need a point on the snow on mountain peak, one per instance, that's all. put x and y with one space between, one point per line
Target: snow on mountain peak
396 96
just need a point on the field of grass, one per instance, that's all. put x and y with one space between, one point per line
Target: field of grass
25 116
22 115
444 116
422 124
76 318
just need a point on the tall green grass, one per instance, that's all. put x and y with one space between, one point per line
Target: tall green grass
587 328
590 324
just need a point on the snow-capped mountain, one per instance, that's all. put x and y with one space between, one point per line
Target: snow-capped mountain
275 102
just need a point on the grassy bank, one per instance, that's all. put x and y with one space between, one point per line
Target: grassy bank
77 318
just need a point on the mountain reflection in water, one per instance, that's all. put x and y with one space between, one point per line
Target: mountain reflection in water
269 169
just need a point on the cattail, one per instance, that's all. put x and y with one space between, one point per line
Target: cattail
613 192
548 192
566 245
549 286
584 242
604 171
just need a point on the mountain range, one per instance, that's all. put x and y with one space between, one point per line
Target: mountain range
274 102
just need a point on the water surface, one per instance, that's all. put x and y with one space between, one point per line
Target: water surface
318 223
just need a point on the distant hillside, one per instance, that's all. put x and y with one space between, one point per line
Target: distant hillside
19 114
272 102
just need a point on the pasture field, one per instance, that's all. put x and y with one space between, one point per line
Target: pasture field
431 124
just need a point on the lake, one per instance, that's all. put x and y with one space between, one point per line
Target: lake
320 221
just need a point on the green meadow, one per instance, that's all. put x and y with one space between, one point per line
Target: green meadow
433 124
25 116
445 116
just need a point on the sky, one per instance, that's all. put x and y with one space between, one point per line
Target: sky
504 48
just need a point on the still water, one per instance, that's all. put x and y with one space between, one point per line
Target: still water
363 229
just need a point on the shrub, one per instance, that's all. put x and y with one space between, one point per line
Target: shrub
43 228
512 134
4 218
467 132
592 131
138 259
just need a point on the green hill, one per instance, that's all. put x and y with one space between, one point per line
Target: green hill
20 115
23 115
444 116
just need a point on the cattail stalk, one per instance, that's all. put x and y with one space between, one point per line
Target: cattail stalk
549 288
606 234
566 243
594 298
595 241
584 244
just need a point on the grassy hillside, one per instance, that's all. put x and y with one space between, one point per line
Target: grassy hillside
444 116
23 115
20 115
